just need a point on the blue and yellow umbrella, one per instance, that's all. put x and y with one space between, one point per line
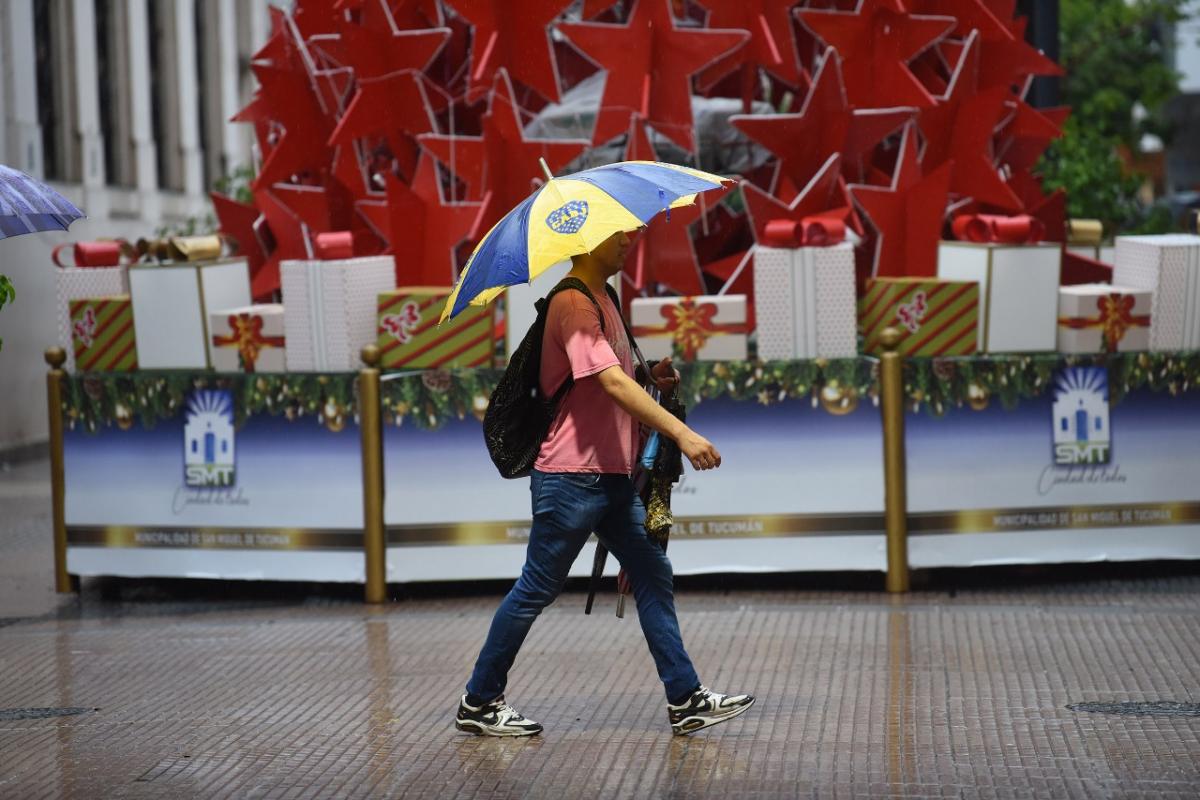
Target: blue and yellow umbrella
569 216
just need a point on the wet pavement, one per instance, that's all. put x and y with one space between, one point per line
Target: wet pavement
207 689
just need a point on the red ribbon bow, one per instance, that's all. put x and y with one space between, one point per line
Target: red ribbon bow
247 337
691 325
1116 317
993 228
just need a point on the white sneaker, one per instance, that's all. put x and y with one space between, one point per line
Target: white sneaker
705 708
496 718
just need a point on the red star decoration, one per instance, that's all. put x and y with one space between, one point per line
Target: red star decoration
240 222
418 223
969 15
663 252
385 105
501 161
406 14
650 63
378 44
824 195
513 35
907 216
772 44
1027 135
960 129
877 43
826 124
291 241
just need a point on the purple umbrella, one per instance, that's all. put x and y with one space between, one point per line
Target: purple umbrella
27 206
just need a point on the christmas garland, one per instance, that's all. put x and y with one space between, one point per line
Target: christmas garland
428 399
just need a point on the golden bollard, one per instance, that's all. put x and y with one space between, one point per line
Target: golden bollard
895 489
374 540
56 357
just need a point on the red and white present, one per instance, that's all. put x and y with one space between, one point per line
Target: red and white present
81 283
329 310
1098 318
704 328
804 302
248 339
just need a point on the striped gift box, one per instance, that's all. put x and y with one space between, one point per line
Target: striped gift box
934 317
410 338
102 334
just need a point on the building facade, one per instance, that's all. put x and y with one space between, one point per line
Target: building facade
123 107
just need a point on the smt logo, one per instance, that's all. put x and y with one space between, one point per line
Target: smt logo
1081 427
208 440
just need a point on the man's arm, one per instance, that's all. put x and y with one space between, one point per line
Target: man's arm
631 397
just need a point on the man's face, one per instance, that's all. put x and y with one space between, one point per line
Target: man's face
611 253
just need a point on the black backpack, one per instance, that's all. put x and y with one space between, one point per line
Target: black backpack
518 415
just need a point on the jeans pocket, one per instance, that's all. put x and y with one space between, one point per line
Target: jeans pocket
581 480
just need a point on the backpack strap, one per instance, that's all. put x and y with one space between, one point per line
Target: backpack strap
543 309
637 351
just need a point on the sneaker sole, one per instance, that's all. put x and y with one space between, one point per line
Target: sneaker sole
480 730
688 727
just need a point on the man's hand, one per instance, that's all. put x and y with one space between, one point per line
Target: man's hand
666 377
699 451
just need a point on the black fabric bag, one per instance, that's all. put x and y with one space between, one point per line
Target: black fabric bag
518 415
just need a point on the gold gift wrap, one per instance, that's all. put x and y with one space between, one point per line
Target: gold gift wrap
1085 231
182 248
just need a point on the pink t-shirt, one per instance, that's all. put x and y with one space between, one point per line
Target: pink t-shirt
591 432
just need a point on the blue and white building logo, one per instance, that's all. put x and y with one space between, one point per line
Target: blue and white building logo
1081 423
208 452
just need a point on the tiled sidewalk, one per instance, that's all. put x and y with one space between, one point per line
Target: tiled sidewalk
311 694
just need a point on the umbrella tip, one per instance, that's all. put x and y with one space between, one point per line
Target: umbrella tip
546 169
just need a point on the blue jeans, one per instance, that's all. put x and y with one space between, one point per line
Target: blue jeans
567 508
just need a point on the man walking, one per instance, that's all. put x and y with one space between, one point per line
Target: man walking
581 484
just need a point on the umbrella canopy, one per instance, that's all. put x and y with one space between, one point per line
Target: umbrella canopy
569 216
27 205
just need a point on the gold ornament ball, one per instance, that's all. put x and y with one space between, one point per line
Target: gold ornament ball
838 400
335 424
123 417
977 397
479 407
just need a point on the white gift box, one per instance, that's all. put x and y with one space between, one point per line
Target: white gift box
1169 266
171 304
519 300
703 328
80 283
240 344
804 302
1018 292
329 310
1085 312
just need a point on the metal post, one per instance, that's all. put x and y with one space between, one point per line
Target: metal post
56 357
374 542
895 492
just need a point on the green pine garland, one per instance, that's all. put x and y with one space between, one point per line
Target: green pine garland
428 399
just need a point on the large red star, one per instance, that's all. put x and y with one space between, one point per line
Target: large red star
287 98
907 216
422 228
969 15
650 63
876 43
960 129
663 253
772 44
514 35
290 237
826 124
1028 133
240 222
825 195
378 44
392 103
501 161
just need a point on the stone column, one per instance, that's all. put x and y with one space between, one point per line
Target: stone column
88 138
145 149
23 135
188 99
233 143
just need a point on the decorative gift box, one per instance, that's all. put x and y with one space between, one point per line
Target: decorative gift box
704 328
1096 317
934 317
171 306
79 283
1169 266
102 337
1018 292
804 302
329 310
248 339
519 300
410 337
